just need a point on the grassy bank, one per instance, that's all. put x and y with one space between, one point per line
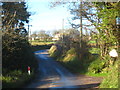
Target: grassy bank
91 64
87 65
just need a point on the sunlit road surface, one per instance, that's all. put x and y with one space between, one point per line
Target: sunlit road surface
52 75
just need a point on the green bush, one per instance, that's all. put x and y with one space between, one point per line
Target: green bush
100 65
94 50
17 54
97 66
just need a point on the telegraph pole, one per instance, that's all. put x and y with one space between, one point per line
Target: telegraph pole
63 24
29 30
81 23
63 28
62 35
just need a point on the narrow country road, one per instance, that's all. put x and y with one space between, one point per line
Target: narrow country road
53 75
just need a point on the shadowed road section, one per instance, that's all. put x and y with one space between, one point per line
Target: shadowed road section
53 75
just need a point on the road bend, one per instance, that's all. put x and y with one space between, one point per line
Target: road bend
51 74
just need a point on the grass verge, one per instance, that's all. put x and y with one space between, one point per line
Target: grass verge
111 81
16 79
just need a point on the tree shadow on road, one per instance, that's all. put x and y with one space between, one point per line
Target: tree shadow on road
41 47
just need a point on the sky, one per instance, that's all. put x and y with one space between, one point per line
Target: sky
45 18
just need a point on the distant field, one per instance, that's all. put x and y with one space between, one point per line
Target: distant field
37 45
34 43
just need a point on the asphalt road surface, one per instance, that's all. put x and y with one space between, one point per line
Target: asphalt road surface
52 75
